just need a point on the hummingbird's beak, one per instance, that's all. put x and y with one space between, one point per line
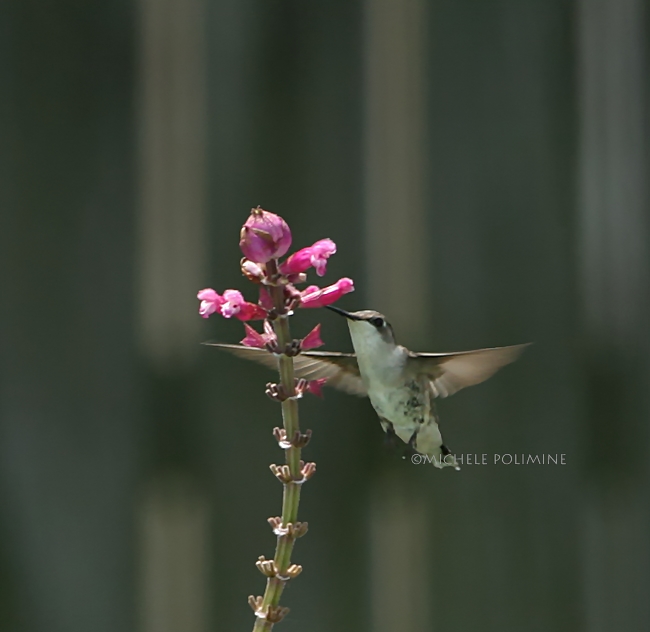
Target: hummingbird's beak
338 310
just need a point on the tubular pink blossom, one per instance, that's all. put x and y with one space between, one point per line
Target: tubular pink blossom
235 305
264 236
312 340
316 297
315 255
230 304
210 302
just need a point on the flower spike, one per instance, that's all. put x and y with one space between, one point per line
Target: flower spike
264 238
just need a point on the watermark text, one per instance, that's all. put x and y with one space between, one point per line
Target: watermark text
489 459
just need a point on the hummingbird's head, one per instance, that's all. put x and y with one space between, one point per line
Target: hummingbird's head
367 327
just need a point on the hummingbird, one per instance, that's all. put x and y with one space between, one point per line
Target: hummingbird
401 384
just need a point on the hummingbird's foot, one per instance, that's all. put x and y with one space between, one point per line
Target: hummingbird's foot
390 438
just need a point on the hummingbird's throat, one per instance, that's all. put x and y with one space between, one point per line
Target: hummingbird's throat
378 357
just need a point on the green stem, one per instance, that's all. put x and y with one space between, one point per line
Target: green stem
291 493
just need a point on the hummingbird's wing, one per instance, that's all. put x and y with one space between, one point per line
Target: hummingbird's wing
449 372
340 369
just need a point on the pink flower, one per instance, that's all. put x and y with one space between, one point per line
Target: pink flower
316 256
210 302
255 339
314 296
231 304
264 236
312 339
249 311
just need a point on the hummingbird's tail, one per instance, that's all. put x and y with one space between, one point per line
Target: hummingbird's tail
445 458
429 442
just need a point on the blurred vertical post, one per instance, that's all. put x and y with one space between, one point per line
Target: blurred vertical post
614 262
396 260
171 257
171 249
173 545
69 422
394 161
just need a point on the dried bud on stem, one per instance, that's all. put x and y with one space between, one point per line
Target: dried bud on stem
291 530
298 440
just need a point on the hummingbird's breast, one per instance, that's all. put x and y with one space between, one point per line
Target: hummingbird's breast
395 395
394 392
405 406
402 397
381 366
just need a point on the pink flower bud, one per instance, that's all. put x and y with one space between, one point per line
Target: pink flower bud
312 339
264 236
313 296
316 256
252 271
297 278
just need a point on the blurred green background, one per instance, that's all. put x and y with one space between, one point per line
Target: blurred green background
482 166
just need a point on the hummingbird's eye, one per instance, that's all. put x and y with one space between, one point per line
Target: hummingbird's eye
377 322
